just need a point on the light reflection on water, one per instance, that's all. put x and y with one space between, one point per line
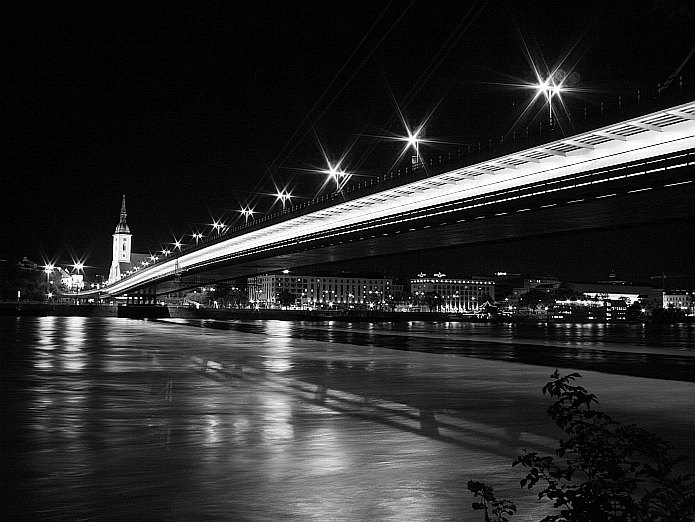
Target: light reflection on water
113 418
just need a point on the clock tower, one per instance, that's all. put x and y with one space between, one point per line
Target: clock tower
121 246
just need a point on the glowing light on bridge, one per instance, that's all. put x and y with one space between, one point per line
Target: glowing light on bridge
247 212
335 174
549 88
217 226
283 196
413 139
197 236
550 81
414 135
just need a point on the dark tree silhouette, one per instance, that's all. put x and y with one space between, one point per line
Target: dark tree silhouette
603 470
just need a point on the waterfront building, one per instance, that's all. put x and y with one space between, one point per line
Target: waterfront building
611 291
587 310
71 281
61 276
678 299
509 287
318 291
450 294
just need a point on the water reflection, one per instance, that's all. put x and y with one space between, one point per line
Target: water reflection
617 349
295 421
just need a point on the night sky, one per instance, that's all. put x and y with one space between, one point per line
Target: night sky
194 110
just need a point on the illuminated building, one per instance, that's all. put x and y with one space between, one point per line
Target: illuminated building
510 286
450 294
313 291
610 291
587 311
678 299
123 259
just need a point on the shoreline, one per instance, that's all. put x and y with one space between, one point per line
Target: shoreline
13 308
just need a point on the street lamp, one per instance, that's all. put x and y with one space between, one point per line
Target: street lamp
77 279
414 140
197 236
549 88
335 174
247 212
48 269
283 196
217 226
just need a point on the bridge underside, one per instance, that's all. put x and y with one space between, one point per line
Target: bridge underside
609 203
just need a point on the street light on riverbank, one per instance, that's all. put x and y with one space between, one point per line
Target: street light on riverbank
48 269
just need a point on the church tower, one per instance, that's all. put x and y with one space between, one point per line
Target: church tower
121 246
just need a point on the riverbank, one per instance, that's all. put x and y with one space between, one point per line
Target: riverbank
311 315
187 312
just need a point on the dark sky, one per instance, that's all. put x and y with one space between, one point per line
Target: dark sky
192 110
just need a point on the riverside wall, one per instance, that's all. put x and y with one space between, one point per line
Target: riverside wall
185 312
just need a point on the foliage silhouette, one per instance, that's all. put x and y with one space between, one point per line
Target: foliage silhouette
604 470
489 504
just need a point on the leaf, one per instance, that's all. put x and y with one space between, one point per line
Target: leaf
605 470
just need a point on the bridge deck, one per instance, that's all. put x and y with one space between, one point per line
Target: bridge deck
596 178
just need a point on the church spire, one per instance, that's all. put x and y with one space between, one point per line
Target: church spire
122 227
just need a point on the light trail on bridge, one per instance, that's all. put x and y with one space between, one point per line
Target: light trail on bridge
665 133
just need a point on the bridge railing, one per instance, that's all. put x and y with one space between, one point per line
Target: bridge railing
620 107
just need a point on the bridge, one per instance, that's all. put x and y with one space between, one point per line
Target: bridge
640 169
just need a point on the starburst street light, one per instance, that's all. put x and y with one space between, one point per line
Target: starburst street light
48 269
247 212
549 88
413 140
283 197
336 174
77 279
217 226
197 236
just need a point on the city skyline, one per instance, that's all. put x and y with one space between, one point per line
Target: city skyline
196 114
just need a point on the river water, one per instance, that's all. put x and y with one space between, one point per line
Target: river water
111 419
